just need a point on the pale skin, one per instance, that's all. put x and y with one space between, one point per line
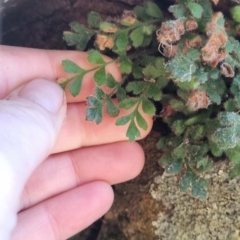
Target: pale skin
69 189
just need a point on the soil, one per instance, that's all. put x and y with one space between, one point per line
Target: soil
40 23
134 209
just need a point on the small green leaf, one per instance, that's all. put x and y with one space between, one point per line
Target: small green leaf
215 150
64 84
186 181
204 165
72 39
188 85
179 152
200 119
99 93
229 47
196 9
92 101
235 12
137 72
166 160
132 132
78 28
230 105
175 167
201 75
228 118
197 132
75 86
173 142
207 13
141 13
193 54
80 38
162 143
183 94
235 89
71 67
123 120
237 131
100 76
234 154
177 105
178 127
154 92
122 40
148 107
111 82
94 114
94 110
211 126
177 10
196 152
148 30
121 94
199 188
160 65
136 87
235 172
214 74
141 121
146 41
203 162
225 138
94 19
126 65
108 27
112 109
151 71
214 96
185 70
137 37
199 185
153 10
95 57
162 82
147 60
128 103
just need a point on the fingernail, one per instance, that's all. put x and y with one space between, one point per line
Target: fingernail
45 93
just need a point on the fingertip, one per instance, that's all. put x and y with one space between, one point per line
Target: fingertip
140 158
63 215
105 195
44 93
136 163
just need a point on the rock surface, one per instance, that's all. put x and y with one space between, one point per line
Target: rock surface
187 218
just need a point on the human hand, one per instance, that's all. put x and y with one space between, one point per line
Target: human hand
70 189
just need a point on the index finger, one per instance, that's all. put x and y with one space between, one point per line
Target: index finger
20 65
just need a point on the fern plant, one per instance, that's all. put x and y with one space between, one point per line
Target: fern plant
188 63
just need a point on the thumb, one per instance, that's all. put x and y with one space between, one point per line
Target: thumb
30 120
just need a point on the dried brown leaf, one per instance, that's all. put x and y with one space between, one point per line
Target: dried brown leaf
226 70
198 100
